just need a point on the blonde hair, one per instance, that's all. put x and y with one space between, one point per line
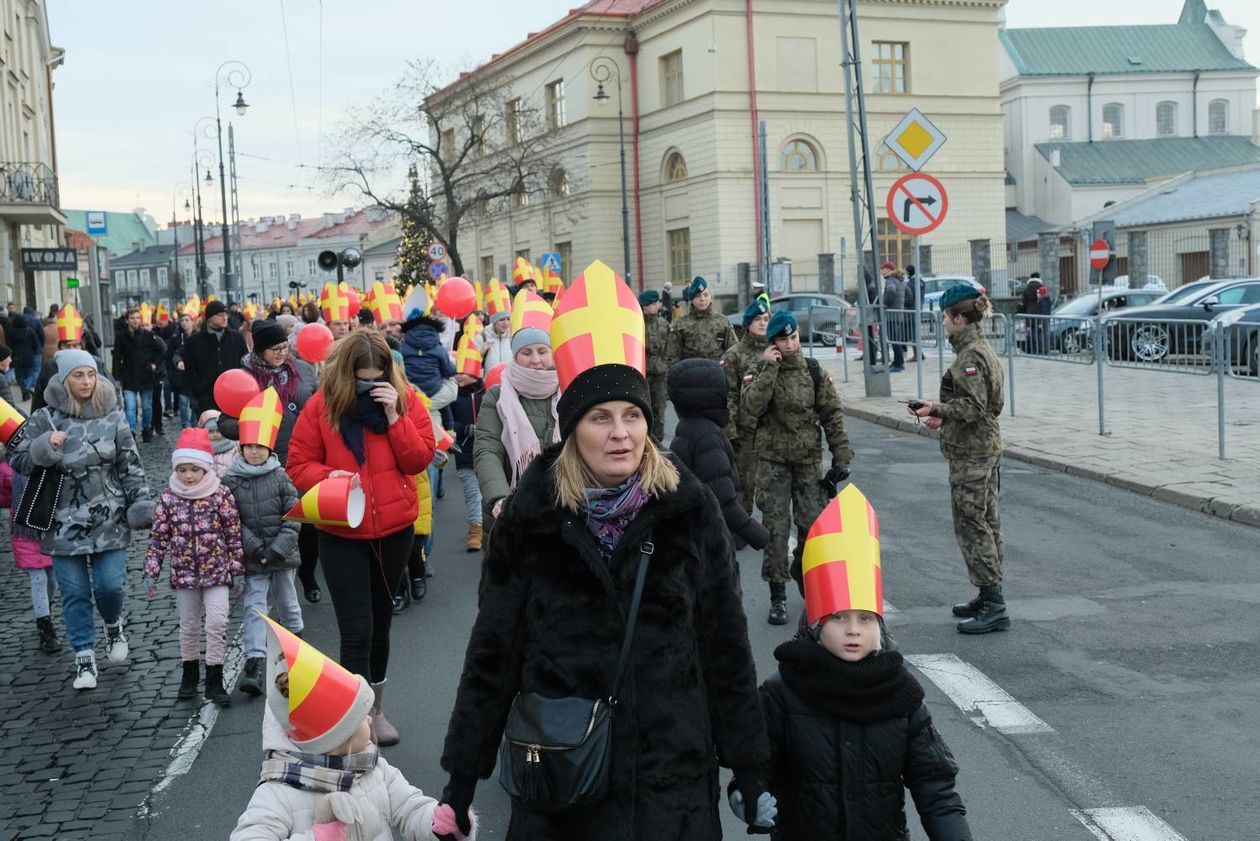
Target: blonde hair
359 349
572 476
972 309
99 401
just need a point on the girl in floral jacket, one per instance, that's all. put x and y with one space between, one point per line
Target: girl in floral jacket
196 524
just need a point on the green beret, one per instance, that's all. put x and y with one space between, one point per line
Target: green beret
756 308
648 298
958 293
782 323
697 285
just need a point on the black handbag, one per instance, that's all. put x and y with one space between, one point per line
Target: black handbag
39 499
556 751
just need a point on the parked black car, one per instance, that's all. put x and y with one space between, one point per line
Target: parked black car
1152 333
829 312
1072 335
1241 326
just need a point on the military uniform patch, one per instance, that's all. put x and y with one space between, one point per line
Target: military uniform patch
971 370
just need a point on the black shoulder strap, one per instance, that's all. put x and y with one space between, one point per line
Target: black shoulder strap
815 371
645 555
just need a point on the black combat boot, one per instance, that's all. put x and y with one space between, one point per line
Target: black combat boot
992 615
778 603
255 672
966 610
192 675
48 642
215 693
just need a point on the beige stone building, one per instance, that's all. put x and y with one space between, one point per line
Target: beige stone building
690 124
30 212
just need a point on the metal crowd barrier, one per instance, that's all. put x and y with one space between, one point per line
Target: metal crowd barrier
1161 344
1058 338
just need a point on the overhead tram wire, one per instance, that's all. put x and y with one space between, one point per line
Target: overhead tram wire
288 57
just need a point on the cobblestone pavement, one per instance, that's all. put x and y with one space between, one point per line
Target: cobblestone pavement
83 762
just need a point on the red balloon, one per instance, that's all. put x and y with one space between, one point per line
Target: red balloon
233 389
456 298
313 342
495 374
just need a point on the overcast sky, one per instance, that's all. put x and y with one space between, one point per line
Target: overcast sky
134 84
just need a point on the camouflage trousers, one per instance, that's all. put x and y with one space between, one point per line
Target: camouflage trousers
974 485
787 494
746 465
657 393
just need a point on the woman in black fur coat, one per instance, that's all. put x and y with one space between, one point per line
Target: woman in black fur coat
556 584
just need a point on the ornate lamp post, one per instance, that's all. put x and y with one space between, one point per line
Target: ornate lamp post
603 69
236 74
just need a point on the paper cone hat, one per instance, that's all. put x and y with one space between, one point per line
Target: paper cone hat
11 421
335 304
69 324
192 307
384 304
530 310
249 311
522 271
332 502
467 357
599 322
318 703
146 313
356 300
498 301
416 303
260 419
480 292
163 313
840 564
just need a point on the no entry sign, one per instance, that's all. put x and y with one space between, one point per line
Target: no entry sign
1099 254
917 203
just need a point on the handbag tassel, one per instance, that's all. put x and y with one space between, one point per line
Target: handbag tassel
534 786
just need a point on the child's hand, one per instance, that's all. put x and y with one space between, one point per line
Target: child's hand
150 587
271 556
446 825
238 585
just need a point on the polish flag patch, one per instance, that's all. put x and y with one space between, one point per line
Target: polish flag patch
970 370
748 378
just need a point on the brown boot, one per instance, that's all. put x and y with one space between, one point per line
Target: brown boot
474 537
383 733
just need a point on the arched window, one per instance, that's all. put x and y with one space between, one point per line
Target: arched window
1218 116
559 184
1166 119
1113 121
798 156
1061 122
675 167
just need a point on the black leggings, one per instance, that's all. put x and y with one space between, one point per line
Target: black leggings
308 551
362 578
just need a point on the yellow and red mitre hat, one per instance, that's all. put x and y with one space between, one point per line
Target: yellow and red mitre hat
840 564
467 357
163 314
317 701
384 304
480 292
192 307
69 324
529 310
599 322
11 422
335 304
260 419
498 300
356 300
336 501
146 313
522 271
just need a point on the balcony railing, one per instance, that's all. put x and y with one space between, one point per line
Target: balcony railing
29 183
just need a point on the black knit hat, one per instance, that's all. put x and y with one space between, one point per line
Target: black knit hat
600 385
215 308
267 334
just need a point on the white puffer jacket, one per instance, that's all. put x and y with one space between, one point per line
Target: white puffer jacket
278 812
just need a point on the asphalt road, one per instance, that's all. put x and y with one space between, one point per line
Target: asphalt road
1130 672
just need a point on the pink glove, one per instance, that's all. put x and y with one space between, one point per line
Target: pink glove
444 822
335 831
151 592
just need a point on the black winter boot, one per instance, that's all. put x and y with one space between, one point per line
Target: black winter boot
252 682
48 642
966 610
192 676
992 615
778 604
215 693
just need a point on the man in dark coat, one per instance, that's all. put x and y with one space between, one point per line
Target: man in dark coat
137 357
208 353
21 340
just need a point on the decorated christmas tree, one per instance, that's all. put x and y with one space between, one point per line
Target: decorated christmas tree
412 263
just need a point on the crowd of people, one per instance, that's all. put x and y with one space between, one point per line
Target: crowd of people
575 497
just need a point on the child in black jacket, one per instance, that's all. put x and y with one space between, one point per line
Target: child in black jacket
697 388
847 724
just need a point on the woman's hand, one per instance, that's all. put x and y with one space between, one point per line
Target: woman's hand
933 423
387 396
56 439
922 410
772 354
354 477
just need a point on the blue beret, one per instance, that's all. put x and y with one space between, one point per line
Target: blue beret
756 308
648 298
782 323
958 293
697 285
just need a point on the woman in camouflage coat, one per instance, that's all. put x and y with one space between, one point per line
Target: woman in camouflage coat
82 433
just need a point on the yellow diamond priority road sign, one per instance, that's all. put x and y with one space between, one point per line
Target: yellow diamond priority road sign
915 140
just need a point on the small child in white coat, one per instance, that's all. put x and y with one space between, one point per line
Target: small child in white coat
326 782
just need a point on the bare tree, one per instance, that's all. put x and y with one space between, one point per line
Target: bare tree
474 143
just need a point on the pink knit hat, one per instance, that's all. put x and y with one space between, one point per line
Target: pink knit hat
193 447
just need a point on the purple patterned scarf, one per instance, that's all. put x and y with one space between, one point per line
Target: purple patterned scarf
609 511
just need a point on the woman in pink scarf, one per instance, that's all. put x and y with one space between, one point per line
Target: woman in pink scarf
517 419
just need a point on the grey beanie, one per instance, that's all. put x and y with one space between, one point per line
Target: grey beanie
67 360
527 336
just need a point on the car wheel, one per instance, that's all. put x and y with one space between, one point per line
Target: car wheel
1074 341
1150 342
825 334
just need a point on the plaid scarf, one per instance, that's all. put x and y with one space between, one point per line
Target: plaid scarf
316 771
609 511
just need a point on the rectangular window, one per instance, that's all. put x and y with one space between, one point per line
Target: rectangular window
120 277
487 269
161 276
478 132
679 256
288 268
672 79
524 252
310 266
888 67
512 120
131 278
448 145
565 250
893 244
272 271
144 278
555 104
520 199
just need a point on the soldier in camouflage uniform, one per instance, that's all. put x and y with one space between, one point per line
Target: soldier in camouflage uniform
701 332
792 400
656 343
972 395
738 363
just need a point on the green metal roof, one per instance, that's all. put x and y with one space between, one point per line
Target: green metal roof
122 229
1110 50
1138 161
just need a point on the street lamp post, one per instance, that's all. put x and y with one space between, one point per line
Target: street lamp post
201 158
603 69
185 189
236 74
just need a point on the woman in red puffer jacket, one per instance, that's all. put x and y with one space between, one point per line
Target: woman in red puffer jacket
365 422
